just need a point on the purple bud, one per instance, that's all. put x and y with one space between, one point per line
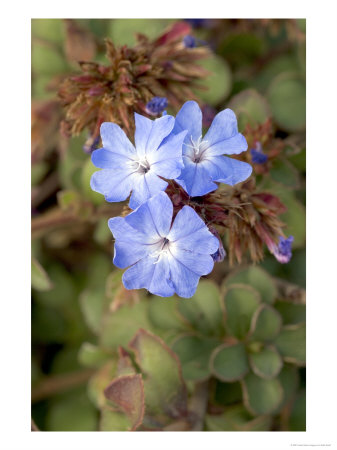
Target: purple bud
282 251
220 254
258 157
156 105
208 114
91 144
190 41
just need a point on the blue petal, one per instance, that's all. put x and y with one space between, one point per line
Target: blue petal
153 277
149 138
130 252
114 139
115 185
184 280
154 217
105 159
122 230
227 170
189 118
167 161
145 187
189 232
195 179
200 264
223 136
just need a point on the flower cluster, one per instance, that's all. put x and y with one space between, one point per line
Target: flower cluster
167 248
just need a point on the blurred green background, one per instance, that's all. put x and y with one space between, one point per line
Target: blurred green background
240 340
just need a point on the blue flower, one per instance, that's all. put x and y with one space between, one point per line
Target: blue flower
203 161
138 169
165 257
258 157
282 251
156 105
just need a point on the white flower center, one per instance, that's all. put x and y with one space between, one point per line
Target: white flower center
198 149
141 166
162 250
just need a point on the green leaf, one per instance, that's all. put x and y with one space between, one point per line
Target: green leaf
297 420
194 353
266 324
284 172
261 396
266 364
291 313
241 302
286 96
112 420
100 380
258 279
72 413
40 279
47 60
165 391
163 313
237 418
118 327
250 107
123 31
203 311
289 379
127 393
90 355
218 83
229 362
291 344
92 302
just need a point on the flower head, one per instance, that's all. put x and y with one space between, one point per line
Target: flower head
282 251
156 105
204 163
137 168
164 257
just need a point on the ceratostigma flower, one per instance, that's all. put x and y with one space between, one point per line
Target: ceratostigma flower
282 251
138 169
165 257
258 157
204 163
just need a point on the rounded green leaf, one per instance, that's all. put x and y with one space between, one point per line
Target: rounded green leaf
261 396
291 344
266 324
123 31
284 172
90 355
194 354
291 313
287 96
163 313
203 311
258 279
289 379
250 107
266 364
229 362
241 302
218 83
236 418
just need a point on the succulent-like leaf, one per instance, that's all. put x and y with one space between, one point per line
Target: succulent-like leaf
257 278
261 396
127 393
291 313
218 83
118 327
40 278
163 313
289 379
267 363
229 362
266 324
284 172
194 353
90 355
237 418
291 344
204 311
99 381
250 107
165 391
241 302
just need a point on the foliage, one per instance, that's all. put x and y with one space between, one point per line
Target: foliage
232 357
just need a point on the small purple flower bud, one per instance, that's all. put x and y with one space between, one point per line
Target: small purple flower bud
220 254
282 252
258 157
91 144
190 41
197 23
208 114
156 105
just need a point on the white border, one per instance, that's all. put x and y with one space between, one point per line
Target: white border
322 215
